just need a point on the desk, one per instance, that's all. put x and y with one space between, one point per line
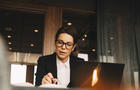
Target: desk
34 88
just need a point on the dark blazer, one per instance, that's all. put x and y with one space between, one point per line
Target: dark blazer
48 64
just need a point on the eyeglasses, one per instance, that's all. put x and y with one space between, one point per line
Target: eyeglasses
60 43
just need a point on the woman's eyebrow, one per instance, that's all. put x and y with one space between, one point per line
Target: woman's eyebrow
64 42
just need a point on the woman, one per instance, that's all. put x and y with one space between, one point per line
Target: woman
57 67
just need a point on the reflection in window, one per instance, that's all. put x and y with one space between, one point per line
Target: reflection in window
23 31
86 25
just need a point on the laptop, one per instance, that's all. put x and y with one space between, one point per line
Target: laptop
109 75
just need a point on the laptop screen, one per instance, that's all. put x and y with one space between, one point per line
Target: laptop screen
95 74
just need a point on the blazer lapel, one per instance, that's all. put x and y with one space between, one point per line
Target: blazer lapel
71 68
52 65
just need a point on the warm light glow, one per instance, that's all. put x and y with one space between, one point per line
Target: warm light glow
36 30
83 39
93 50
108 51
111 38
9 43
9 36
94 77
32 45
10 48
69 23
85 35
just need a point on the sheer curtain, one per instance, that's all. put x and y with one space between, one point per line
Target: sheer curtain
117 37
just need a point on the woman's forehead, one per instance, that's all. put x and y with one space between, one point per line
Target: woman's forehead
65 37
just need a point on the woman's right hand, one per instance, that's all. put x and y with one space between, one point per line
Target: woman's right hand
49 79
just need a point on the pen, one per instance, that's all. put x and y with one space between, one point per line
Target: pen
52 78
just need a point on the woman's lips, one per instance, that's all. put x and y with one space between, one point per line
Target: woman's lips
62 53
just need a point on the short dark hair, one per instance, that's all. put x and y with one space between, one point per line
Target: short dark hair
69 30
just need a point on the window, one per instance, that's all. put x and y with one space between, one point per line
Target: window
22 30
86 25
35 68
84 56
18 73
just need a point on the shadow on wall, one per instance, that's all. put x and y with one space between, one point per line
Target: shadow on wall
4 67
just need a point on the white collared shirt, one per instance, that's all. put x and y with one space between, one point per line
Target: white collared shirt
63 72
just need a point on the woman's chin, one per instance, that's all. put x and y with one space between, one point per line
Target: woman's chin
62 57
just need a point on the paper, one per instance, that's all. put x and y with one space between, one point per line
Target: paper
23 84
52 86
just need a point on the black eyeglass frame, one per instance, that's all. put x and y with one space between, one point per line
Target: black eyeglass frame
68 45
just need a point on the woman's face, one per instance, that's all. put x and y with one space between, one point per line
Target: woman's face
64 46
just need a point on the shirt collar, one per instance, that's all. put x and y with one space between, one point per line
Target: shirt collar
59 61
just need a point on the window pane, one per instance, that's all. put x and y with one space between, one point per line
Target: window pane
86 25
23 31
84 56
18 73
35 68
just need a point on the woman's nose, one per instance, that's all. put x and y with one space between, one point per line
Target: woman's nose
63 46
